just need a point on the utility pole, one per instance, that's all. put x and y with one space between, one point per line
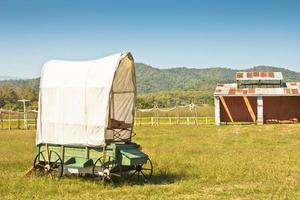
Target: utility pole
25 112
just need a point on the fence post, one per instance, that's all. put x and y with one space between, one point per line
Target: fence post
9 125
196 115
141 118
18 119
1 119
157 114
188 120
177 113
35 120
152 123
206 121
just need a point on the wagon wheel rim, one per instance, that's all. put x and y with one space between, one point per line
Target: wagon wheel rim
38 165
107 173
56 165
53 166
142 172
98 165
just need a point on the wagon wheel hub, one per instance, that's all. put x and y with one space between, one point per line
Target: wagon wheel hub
106 172
138 168
47 167
142 171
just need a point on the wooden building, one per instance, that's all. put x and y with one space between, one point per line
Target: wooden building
257 97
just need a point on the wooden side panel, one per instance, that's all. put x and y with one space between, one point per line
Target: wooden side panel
281 108
238 110
224 104
250 109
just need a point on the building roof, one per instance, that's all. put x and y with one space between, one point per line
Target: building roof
259 76
231 89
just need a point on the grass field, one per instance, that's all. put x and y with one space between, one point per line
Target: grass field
227 162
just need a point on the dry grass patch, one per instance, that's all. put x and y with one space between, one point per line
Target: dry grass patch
207 162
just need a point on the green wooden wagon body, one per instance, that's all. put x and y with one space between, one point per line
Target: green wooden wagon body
119 160
83 156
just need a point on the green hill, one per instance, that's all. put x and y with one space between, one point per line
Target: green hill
151 79
181 86
164 87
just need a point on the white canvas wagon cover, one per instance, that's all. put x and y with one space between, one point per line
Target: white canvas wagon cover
79 102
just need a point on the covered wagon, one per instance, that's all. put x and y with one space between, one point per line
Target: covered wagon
86 118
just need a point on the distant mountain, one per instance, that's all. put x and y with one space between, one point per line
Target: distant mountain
2 78
162 87
34 83
150 79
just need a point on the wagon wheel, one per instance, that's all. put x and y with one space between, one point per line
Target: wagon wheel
51 165
107 173
142 172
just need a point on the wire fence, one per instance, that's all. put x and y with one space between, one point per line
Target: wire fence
17 120
152 121
179 115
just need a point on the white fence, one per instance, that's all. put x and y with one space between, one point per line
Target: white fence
153 121
17 120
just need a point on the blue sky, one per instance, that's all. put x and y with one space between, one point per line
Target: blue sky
164 34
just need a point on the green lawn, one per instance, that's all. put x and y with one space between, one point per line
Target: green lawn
227 162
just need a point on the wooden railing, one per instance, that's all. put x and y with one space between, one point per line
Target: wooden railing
154 121
15 120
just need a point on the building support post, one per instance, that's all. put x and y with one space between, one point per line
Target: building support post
260 110
217 111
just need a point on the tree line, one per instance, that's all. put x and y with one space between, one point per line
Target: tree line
11 93
156 87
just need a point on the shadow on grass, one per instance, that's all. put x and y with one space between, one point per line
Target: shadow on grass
159 177
156 179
